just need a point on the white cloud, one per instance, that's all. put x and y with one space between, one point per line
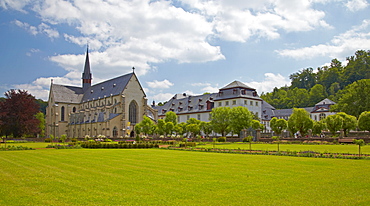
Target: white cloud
40 29
165 84
356 5
358 38
161 97
269 83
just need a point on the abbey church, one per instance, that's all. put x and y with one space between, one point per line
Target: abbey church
110 108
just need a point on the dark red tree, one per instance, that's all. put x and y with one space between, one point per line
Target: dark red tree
17 114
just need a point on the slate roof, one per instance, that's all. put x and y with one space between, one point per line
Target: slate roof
67 94
326 101
267 111
235 84
107 88
71 94
188 104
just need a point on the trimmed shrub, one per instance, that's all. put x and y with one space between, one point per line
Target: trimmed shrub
221 139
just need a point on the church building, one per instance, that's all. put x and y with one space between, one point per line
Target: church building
110 108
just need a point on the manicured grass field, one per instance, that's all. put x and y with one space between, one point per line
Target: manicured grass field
346 148
167 177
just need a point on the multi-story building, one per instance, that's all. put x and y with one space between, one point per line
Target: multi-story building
199 106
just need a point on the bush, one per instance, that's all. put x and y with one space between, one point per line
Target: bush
221 139
74 140
47 139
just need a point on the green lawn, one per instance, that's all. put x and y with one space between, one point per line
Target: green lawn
346 148
167 177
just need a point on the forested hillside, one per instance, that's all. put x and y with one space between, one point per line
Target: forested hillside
308 86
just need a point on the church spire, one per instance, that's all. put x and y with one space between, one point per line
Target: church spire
86 75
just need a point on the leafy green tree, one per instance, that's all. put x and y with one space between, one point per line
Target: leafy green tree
360 143
317 93
298 97
355 98
180 128
257 125
171 117
194 129
206 128
303 79
318 127
349 122
220 120
41 117
364 121
240 118
334 123
146 125
169 128
300 121
358 67
278 125
161 127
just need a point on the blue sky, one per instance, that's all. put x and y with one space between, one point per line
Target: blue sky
191 46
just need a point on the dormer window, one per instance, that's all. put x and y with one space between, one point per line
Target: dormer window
234 91
114 85
243 92
92 91
102 88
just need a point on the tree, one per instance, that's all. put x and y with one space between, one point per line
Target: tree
220 120
334 123
257 125
161 127
316 94
360 143
169 128
278 125
355 98
240 118
171 117
194 129
18 114
146 125
300 121
41 117
349 122
303 79
364 121
206 128
318 127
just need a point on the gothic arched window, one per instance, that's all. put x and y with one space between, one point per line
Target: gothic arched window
132 112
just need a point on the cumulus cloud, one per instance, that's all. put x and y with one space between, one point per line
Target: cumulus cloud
355 5
269 83
165 84
340 46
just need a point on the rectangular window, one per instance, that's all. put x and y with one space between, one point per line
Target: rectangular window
226 103
198 116
256 104
220 104
251 103
245 102
234 102
187 117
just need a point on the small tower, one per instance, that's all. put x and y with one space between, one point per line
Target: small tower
86 75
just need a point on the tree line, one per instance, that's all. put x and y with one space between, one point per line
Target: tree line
223 120
300 123
345 85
